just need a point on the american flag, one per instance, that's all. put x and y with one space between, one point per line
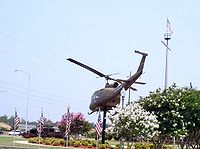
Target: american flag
16 120
68 122
98 125
40 126
169 28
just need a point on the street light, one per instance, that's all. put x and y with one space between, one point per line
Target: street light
28 92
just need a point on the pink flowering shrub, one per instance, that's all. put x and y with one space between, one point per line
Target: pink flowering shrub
77 122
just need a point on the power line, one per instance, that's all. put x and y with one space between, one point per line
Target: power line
29 44
39 92
34 54
40 98
45 67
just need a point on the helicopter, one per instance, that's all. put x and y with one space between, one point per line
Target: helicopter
109 96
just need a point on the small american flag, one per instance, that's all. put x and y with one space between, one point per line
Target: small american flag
40 126
17 119
98 125
68 122
169 28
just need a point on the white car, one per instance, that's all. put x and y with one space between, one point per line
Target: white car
15 132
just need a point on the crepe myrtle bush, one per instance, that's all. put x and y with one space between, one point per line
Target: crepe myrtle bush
177 109
132 122
78 124
178 112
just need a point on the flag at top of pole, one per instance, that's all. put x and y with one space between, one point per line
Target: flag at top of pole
98 125
169 28
68 122
16 120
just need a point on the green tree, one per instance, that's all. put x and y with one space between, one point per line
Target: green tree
177 110
4 119
86 127
11 121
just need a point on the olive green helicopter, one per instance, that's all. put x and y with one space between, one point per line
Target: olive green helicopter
109 96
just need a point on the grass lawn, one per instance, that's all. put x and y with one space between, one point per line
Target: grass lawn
8 141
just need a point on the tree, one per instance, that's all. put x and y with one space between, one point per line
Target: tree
23 121
132 121
4 118
11 121
78 124
86 127
166 105
177 110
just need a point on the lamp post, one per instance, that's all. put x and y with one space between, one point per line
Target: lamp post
28 92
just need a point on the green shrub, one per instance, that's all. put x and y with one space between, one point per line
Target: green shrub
62 142
152 146
89 145
129 146
35 139
77 144
94 143
137 146
99 141
147 146
91 135
84 143
117 146
4 129
71 142
164 147
31 140
102 146
52 140
108 136
56 143
39 141
47 142
89 141
173 147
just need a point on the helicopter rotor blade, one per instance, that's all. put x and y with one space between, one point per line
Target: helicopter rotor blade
121 80
142 83
108 76
134 89
90 69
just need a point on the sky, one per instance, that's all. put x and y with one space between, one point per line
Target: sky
36 37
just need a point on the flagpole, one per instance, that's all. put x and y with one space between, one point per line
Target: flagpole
68 123
97 141
14 128
167 37
98 128
68 132
40 127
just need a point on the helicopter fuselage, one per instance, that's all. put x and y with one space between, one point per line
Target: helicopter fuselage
105 98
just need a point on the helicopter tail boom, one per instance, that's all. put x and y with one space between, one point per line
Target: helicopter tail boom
127 84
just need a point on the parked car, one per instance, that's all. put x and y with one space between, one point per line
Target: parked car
15 132
1 131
